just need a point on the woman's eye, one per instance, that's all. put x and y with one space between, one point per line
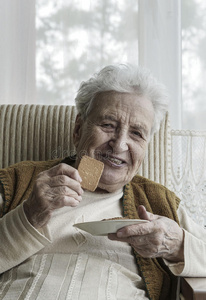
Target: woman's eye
107 125
137 133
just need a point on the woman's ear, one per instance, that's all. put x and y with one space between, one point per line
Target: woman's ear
77 130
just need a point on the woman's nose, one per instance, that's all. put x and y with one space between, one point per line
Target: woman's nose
119 143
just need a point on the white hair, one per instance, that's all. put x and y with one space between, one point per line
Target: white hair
124 78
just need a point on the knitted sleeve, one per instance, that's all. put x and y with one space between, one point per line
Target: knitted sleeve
16 182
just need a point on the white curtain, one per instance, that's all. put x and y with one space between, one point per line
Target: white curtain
77 38
160 47
188 171
193 19
83 36
60 50
17 51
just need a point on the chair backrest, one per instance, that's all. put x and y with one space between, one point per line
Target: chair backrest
42 132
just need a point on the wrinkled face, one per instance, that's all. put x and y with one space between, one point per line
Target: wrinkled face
116 132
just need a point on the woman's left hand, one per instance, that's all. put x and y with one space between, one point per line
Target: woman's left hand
160 237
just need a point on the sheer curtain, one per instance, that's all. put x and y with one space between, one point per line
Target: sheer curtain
188 171
194 64
17 51
52 51
160 47
77 38
45 57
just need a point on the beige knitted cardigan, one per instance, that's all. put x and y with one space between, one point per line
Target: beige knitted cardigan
17 182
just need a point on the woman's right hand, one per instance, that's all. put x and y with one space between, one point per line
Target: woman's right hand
57 187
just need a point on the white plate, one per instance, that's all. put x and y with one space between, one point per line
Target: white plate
107 226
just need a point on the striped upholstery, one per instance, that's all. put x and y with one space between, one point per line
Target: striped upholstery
41 132
35 132
157 163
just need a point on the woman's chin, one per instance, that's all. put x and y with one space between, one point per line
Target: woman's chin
110 184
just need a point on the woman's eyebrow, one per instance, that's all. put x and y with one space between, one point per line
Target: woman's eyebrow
108 117
140 127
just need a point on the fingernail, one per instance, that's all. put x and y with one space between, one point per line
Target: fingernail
119 234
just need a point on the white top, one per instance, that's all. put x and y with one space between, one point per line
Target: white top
63 262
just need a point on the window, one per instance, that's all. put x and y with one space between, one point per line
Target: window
77 38
194 64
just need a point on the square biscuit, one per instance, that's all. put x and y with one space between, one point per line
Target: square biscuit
90 171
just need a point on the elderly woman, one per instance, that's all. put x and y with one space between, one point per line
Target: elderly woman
42 256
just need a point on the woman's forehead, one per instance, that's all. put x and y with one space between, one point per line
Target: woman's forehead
120 106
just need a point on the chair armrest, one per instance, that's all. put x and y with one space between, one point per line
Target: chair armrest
193 288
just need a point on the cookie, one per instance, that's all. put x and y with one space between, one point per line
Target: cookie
90 171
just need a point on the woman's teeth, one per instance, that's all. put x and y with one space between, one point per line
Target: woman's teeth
115 160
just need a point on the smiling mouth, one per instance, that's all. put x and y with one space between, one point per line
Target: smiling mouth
114 160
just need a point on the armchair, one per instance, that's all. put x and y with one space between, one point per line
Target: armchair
40 132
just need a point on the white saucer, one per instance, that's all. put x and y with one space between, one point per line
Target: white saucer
107 226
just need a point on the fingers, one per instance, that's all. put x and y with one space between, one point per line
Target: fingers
143 228
161 237
148 246
136 230
61 181
61 176
63 169
64 200
56 184
137 240
55 188
58 193
144 215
